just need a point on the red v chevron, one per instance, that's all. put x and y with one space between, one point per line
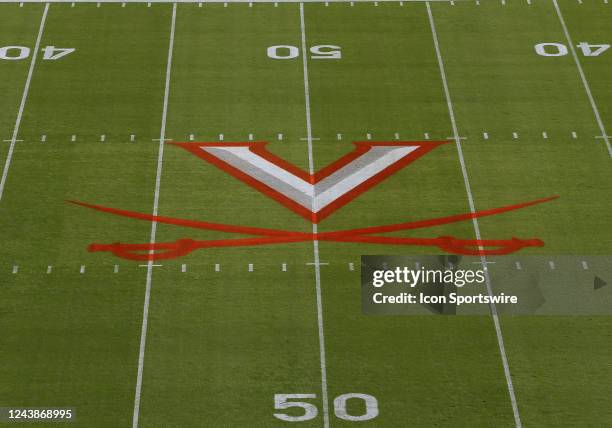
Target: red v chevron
313 196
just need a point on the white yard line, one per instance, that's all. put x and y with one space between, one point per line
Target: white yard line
160 157
585 83
483 260
219 1
24 97
315 243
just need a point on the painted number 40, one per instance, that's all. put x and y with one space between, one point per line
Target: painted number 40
309 411
14 53
316 52
559 49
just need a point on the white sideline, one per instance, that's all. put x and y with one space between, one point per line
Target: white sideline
160 157
468 189
315 243
24 97
585 83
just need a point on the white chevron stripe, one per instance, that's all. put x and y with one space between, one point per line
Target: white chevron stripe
315 196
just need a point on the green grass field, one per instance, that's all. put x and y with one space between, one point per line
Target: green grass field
229 328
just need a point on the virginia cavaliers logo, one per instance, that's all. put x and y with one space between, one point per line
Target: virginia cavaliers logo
314 197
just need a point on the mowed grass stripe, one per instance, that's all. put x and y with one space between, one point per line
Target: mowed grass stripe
223 342
393 358
73 337
547 355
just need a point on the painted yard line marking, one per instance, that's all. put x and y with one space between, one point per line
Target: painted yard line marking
217 267
82 269
396 136
73 137
317 264
183 268
147 265
250 137
485 135
284 267
551 265
132 137
191 137
352 2
24 96
369 136
426 135
220 137
339 137
102 138
518 266
574 135
49 269
43 138
544 135
280 137
515 135
351 266
250 267
15 269
116 269
160 157
10 140
466 181
585 83
585 265
315 243
310 139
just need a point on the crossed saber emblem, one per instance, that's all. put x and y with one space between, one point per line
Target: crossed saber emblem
344 180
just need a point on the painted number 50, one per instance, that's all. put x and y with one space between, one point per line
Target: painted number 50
310 411
316 52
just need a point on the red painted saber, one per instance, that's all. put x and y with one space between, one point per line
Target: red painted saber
265 236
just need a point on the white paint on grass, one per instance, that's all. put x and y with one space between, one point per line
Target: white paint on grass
24 97
585 83
15 269
544 135
217 267
468 189
315 243
585 265
160 157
